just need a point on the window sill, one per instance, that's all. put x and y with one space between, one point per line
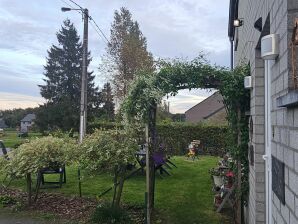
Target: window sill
288 100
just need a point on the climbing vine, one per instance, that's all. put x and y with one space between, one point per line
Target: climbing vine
149 89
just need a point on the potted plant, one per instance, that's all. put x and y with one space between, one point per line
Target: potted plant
217 177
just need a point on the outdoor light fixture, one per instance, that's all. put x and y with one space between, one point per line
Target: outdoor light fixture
237 22
64 9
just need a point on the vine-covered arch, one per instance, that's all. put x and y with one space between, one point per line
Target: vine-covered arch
149 88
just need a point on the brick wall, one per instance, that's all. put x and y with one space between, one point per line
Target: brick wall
284 121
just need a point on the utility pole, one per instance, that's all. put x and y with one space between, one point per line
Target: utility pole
83 109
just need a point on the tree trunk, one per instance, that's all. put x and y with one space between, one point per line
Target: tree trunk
29 188
115 185
38 183
120 187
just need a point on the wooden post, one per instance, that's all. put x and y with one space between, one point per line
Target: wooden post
148 182
29 188
79 182
150 169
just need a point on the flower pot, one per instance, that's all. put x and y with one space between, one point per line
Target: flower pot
218 181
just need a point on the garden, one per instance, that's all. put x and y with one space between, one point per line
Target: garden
100 181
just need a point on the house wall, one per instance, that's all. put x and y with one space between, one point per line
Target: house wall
219 118
25 126
284 120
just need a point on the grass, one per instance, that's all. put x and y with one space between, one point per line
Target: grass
183 197
11 139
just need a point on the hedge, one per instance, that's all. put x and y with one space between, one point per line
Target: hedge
176 136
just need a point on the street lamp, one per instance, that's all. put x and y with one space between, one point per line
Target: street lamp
83 105
64 9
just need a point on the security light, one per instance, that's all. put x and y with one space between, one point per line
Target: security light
237 22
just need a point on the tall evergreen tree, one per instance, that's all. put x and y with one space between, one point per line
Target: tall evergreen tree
63 82
126 52
108 109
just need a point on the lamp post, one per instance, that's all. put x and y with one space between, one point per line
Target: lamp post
84 79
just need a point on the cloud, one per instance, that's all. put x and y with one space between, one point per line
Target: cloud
186 99
174 28
12 100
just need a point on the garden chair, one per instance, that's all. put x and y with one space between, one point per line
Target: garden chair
159 161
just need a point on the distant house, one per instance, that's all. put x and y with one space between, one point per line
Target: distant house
2 124
27 122
211 109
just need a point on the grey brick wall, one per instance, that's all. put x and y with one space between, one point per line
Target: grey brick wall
284 121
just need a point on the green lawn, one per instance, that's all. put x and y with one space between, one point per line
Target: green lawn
183 197
10 138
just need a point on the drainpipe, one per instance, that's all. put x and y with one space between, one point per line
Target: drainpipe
267 156
232 54
269 52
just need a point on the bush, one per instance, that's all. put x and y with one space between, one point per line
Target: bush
91 127
103 150
105 214
37 154
176 136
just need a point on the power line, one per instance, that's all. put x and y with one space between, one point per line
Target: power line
98 32
99 29
66 3
71 6
76 4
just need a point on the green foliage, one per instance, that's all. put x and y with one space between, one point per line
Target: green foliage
103 125
105 214
176 137
108 109
104 150
149 88
126 52
6 200
39 153
63 83
13 117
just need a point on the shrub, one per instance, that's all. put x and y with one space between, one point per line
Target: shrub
37 154
103 150
109 151
103 126
105 214
175 136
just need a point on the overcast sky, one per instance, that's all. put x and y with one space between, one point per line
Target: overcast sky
173 28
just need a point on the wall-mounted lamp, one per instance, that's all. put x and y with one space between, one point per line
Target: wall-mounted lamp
238 22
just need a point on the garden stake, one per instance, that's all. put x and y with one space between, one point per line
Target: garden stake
79 178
